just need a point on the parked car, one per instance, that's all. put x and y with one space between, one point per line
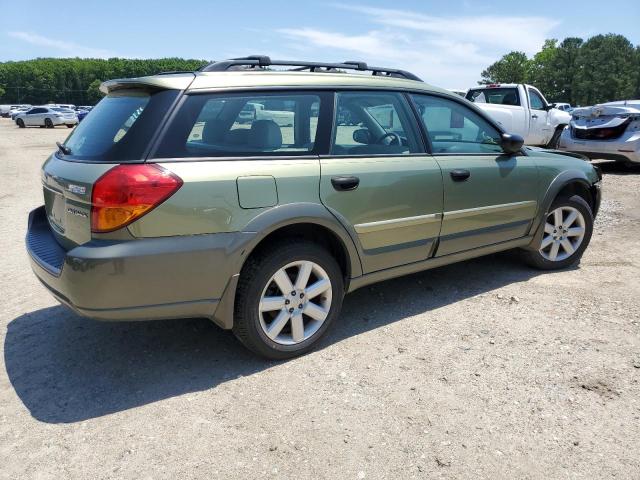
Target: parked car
264 229
609 131
565 107
522 109
462 93
67 106
11 110
257 111
5 110
14 113
46 117
81 113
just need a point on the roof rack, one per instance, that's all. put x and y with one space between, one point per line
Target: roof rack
262 61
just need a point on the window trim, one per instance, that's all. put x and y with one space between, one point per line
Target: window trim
321 90
320 145
544 100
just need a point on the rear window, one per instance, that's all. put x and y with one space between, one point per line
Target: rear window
498 96
120 126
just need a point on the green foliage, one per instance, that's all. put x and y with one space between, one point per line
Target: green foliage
602 69
512 68
2 91
68 80
93 92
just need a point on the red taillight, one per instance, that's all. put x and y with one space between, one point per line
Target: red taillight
126 192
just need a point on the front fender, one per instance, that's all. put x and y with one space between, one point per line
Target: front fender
555 187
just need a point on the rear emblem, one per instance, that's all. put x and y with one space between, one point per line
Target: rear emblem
76 212
77 189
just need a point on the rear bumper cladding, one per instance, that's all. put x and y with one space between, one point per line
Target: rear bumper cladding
144 279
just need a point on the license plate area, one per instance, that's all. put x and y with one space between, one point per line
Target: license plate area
55 205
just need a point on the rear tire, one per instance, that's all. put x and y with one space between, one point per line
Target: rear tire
70 126
567 231
20 123
277 323
48 123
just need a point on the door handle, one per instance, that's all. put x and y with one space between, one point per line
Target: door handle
459 175
345 183
534 116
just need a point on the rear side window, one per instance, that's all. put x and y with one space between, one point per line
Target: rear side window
219 125
373 123
497 96
120 127
455 128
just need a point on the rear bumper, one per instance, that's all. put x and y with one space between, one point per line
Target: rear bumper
144 279
626 148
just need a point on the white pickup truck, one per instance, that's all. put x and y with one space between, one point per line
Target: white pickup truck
521 109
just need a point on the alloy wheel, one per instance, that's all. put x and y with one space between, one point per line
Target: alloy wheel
564 231
295 302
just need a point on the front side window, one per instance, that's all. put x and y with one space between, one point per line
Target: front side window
536 100
218 125
455 128
373 123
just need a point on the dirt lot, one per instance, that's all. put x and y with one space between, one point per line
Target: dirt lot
485 369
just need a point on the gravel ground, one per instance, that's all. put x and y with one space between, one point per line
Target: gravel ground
485 369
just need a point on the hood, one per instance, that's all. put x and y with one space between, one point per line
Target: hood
550 152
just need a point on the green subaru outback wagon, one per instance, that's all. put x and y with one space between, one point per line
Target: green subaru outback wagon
257 193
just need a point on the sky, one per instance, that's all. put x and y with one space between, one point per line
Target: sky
447 43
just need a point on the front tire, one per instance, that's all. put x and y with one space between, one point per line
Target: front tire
567 231
20 123
287 298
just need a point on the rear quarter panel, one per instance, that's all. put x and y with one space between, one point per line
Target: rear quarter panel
209 202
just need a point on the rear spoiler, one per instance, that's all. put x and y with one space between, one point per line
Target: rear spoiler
177 81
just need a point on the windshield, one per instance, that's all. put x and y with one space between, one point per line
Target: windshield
120 127
498 96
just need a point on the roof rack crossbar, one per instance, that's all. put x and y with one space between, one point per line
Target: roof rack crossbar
261 61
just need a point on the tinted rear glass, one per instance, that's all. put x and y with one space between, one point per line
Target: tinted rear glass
498 96
232 125
120 127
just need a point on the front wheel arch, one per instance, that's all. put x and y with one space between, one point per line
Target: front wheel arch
555 138
567 182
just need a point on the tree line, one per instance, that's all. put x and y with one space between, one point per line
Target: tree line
601 69
75 80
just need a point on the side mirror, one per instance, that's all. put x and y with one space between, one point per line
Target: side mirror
362 135
511 143
550 106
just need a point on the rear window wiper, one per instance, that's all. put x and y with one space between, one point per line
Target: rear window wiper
63 149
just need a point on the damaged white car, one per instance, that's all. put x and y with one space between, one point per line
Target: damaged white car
609 131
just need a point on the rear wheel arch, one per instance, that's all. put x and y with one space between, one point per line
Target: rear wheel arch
313 232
